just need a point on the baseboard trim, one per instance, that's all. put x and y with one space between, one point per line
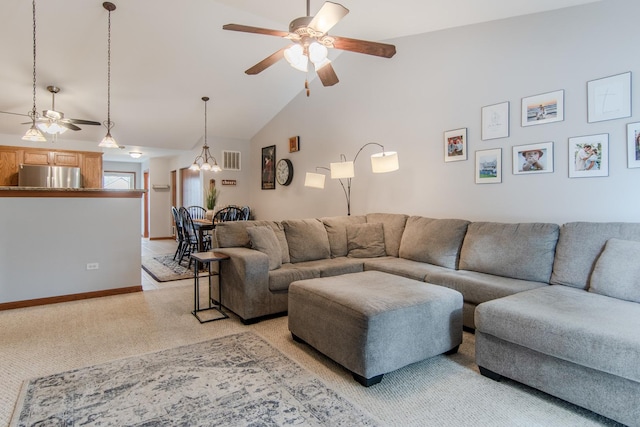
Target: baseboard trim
162 238
66 298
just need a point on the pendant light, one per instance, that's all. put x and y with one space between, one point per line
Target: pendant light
34 134
201 162
108 141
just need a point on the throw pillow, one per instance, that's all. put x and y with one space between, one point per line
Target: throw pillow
264 239
307 239
365 240
617 272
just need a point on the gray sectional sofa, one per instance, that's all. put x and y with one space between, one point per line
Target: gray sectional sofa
554 307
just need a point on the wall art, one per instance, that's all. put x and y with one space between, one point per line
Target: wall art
543 108
533 158
489 166
609 98
294 144
268 166
495 121
589 156
455 145
633 145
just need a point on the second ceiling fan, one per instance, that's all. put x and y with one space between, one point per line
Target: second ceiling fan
311 43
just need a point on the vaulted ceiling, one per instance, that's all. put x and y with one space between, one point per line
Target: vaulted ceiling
167 55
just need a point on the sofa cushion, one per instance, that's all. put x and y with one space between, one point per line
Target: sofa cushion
336 227
365 240
401 267
307 239
434 241
580 244
233 234
617 271
280 279
264 240
393 225
581 327
521 251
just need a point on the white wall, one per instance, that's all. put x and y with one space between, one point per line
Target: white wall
47 243
440 81
135 167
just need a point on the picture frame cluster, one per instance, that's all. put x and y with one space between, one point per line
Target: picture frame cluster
608 98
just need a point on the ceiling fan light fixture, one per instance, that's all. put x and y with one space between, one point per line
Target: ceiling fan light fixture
295 56
51 127
318 52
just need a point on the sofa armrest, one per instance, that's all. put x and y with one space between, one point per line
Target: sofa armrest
245 282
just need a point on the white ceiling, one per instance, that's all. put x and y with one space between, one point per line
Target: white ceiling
167 55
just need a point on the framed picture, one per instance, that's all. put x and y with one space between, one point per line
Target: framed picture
533 158
495 121
455 145
633 145
489 166
544 108
268 167
589 156
294 144
609 98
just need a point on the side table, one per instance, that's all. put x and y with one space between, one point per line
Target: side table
207 258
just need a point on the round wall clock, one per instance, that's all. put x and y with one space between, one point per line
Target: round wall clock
284 171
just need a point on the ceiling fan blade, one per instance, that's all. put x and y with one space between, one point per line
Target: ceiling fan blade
329 15
363 46
15 114
255 30
68 125
81 122
267 62
327 75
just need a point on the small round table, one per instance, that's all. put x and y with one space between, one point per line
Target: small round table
207 258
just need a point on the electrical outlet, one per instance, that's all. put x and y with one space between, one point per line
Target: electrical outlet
93 266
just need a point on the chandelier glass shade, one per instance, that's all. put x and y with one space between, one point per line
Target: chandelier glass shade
205 161
51 127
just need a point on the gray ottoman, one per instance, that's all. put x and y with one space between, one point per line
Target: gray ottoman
373 322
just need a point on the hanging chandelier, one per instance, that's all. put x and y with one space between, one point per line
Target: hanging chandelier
202 161
108 141
34 134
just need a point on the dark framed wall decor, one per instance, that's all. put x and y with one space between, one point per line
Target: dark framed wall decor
268 165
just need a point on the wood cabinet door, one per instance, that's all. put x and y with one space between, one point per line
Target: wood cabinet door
36 157
92 170
9 163
65 159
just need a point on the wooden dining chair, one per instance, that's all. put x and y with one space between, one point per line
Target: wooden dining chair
191 236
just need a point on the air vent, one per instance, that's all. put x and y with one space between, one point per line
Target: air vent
231 160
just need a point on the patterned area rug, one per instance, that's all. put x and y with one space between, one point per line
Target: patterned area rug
237 380
164 269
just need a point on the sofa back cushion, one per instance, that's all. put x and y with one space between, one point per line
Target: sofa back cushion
520 251
617 271
336 227
580 245
233 234
264 239
365 240
393 225
307 239
434 241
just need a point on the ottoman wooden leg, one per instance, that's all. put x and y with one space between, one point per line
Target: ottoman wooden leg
367 382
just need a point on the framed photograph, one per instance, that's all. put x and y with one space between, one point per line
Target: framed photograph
544 108
455 145
609 98
268 167
495 121
489 166
633 145
533 158
589 156
294 144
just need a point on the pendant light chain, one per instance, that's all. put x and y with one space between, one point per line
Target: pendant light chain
109 123
205 122
34 112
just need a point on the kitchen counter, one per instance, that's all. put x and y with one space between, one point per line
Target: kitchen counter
14 191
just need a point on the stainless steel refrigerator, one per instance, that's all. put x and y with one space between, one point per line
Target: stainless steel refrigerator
49 176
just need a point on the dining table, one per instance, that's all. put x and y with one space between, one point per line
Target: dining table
202 225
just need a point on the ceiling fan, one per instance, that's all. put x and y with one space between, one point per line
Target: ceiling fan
310 43
53 122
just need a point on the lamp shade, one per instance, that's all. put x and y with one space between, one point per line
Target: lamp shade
314 180
33 134
342 170
296 57
384 162
108 142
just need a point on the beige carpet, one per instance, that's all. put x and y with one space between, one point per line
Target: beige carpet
443 391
